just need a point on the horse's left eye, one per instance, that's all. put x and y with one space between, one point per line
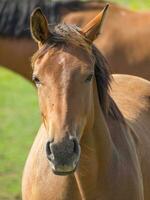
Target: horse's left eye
89 78
36 80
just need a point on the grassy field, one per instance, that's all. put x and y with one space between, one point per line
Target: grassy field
135 4
19 122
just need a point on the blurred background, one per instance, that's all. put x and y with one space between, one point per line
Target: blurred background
20 120
134 4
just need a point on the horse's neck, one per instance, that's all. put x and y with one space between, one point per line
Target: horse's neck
96 156
15 55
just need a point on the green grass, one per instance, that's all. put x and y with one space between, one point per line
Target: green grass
19 122
135 4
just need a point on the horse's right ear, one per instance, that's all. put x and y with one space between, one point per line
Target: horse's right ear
93 28
39 26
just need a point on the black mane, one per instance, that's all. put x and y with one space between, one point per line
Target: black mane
15 14
14 17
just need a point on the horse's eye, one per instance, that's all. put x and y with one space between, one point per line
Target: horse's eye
36 80
89 78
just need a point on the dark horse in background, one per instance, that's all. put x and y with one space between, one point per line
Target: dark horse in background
125 42
16 46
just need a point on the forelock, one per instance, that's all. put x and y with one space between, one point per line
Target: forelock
64 34
72 34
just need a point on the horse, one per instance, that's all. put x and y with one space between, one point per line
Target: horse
14 30
14 33
127 52
94 140
127 32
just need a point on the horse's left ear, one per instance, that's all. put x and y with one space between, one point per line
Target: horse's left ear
39 26
93 28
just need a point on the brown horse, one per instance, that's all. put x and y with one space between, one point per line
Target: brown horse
111 128
127 32
15 34
14 30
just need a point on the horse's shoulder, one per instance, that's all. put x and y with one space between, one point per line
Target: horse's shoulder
132 96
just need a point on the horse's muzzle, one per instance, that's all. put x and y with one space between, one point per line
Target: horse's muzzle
63 156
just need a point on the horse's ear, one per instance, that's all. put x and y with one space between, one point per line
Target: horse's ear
93 28
39 26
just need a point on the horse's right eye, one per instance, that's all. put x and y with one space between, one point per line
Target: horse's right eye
36 80
89 78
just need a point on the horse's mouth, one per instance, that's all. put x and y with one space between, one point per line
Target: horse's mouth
63 173
64 170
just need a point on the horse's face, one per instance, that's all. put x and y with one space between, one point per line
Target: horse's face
64 76
64 82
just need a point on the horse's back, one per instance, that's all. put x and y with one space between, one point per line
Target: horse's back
132 95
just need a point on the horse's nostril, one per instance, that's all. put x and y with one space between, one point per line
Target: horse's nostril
76 146
48 150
